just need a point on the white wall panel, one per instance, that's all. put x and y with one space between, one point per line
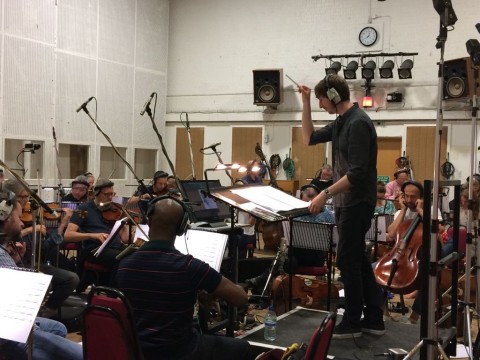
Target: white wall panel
152 34
28 88
117 30
143 134
32 19
75 83
115 102
77 26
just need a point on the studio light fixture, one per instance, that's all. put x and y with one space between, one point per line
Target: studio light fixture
368 70
350 72
367 100
334 68
386 71
405 70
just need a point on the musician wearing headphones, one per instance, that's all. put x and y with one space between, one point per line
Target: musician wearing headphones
80 186
49 340
394 188
354 146
164 304
158 188
252 177
92 230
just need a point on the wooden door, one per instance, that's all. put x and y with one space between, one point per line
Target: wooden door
389 150
244 140
308 160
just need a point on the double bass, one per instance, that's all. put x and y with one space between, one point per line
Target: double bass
398 270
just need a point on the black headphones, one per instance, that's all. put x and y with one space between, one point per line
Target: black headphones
414 183
7 201
332 93
309 186
182 225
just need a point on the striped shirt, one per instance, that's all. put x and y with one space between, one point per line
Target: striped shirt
162 284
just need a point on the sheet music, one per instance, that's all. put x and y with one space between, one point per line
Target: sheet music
118 223
139 234
203 245
22 295
271 198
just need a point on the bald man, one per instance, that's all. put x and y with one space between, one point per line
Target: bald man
162 285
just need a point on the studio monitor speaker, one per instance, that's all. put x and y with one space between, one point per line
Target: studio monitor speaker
458 81
267 87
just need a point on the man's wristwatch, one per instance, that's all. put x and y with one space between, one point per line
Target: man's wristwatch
328 194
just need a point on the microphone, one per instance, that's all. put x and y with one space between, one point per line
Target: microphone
130 249
147 104
211 146
85 104
477 25
54 135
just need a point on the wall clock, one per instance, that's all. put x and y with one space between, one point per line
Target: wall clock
368 36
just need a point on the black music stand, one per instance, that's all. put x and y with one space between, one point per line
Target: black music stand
311 236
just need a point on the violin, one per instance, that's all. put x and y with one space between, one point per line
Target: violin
398 270
112 211
27 216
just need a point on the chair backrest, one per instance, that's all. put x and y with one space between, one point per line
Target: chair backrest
320 341
109 328
462 238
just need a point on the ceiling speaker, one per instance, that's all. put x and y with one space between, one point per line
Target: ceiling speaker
267 87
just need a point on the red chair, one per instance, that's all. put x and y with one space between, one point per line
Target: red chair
109 328
87 269
320 341
462 238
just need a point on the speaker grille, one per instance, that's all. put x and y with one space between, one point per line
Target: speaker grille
456 87
267 86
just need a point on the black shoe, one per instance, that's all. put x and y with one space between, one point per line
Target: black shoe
372 328
345 331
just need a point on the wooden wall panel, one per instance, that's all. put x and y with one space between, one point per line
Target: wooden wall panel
244 140
183 165
420 148
389 150
307 159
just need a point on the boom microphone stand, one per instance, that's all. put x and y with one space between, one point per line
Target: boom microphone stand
164 150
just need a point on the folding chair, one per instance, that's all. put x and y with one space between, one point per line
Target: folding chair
320 341
109 329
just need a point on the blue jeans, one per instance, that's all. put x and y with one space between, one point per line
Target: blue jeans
359 281
49 342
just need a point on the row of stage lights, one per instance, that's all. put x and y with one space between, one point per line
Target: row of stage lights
368 69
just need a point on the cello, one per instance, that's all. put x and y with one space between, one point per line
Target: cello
398 270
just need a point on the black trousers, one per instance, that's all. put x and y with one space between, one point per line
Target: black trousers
362 293
63 284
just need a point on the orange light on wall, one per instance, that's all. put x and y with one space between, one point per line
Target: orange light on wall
367 101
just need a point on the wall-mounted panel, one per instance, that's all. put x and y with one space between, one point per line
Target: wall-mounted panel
152 34
145 84
183 163
76 82
117 30
31 19
77 26
115 102
308 160
28 88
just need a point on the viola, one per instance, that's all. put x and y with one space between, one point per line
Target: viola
398 270
111 211
27 216
272 234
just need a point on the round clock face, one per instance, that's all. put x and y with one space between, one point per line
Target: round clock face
368 36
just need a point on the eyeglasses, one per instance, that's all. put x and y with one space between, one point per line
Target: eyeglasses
108 194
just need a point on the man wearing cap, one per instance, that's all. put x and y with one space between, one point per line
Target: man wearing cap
158 188
92 230
79 190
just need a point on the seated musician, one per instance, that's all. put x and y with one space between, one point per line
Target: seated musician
79 190
411 205
64 281
394 188
159 187
252 176
92 230
49 340
165 321
301 257
325 179
383 205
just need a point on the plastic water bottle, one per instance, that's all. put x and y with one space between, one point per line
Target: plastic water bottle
270 332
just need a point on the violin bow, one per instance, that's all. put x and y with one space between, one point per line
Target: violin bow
142 185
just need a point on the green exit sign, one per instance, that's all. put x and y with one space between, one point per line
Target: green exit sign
384 178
